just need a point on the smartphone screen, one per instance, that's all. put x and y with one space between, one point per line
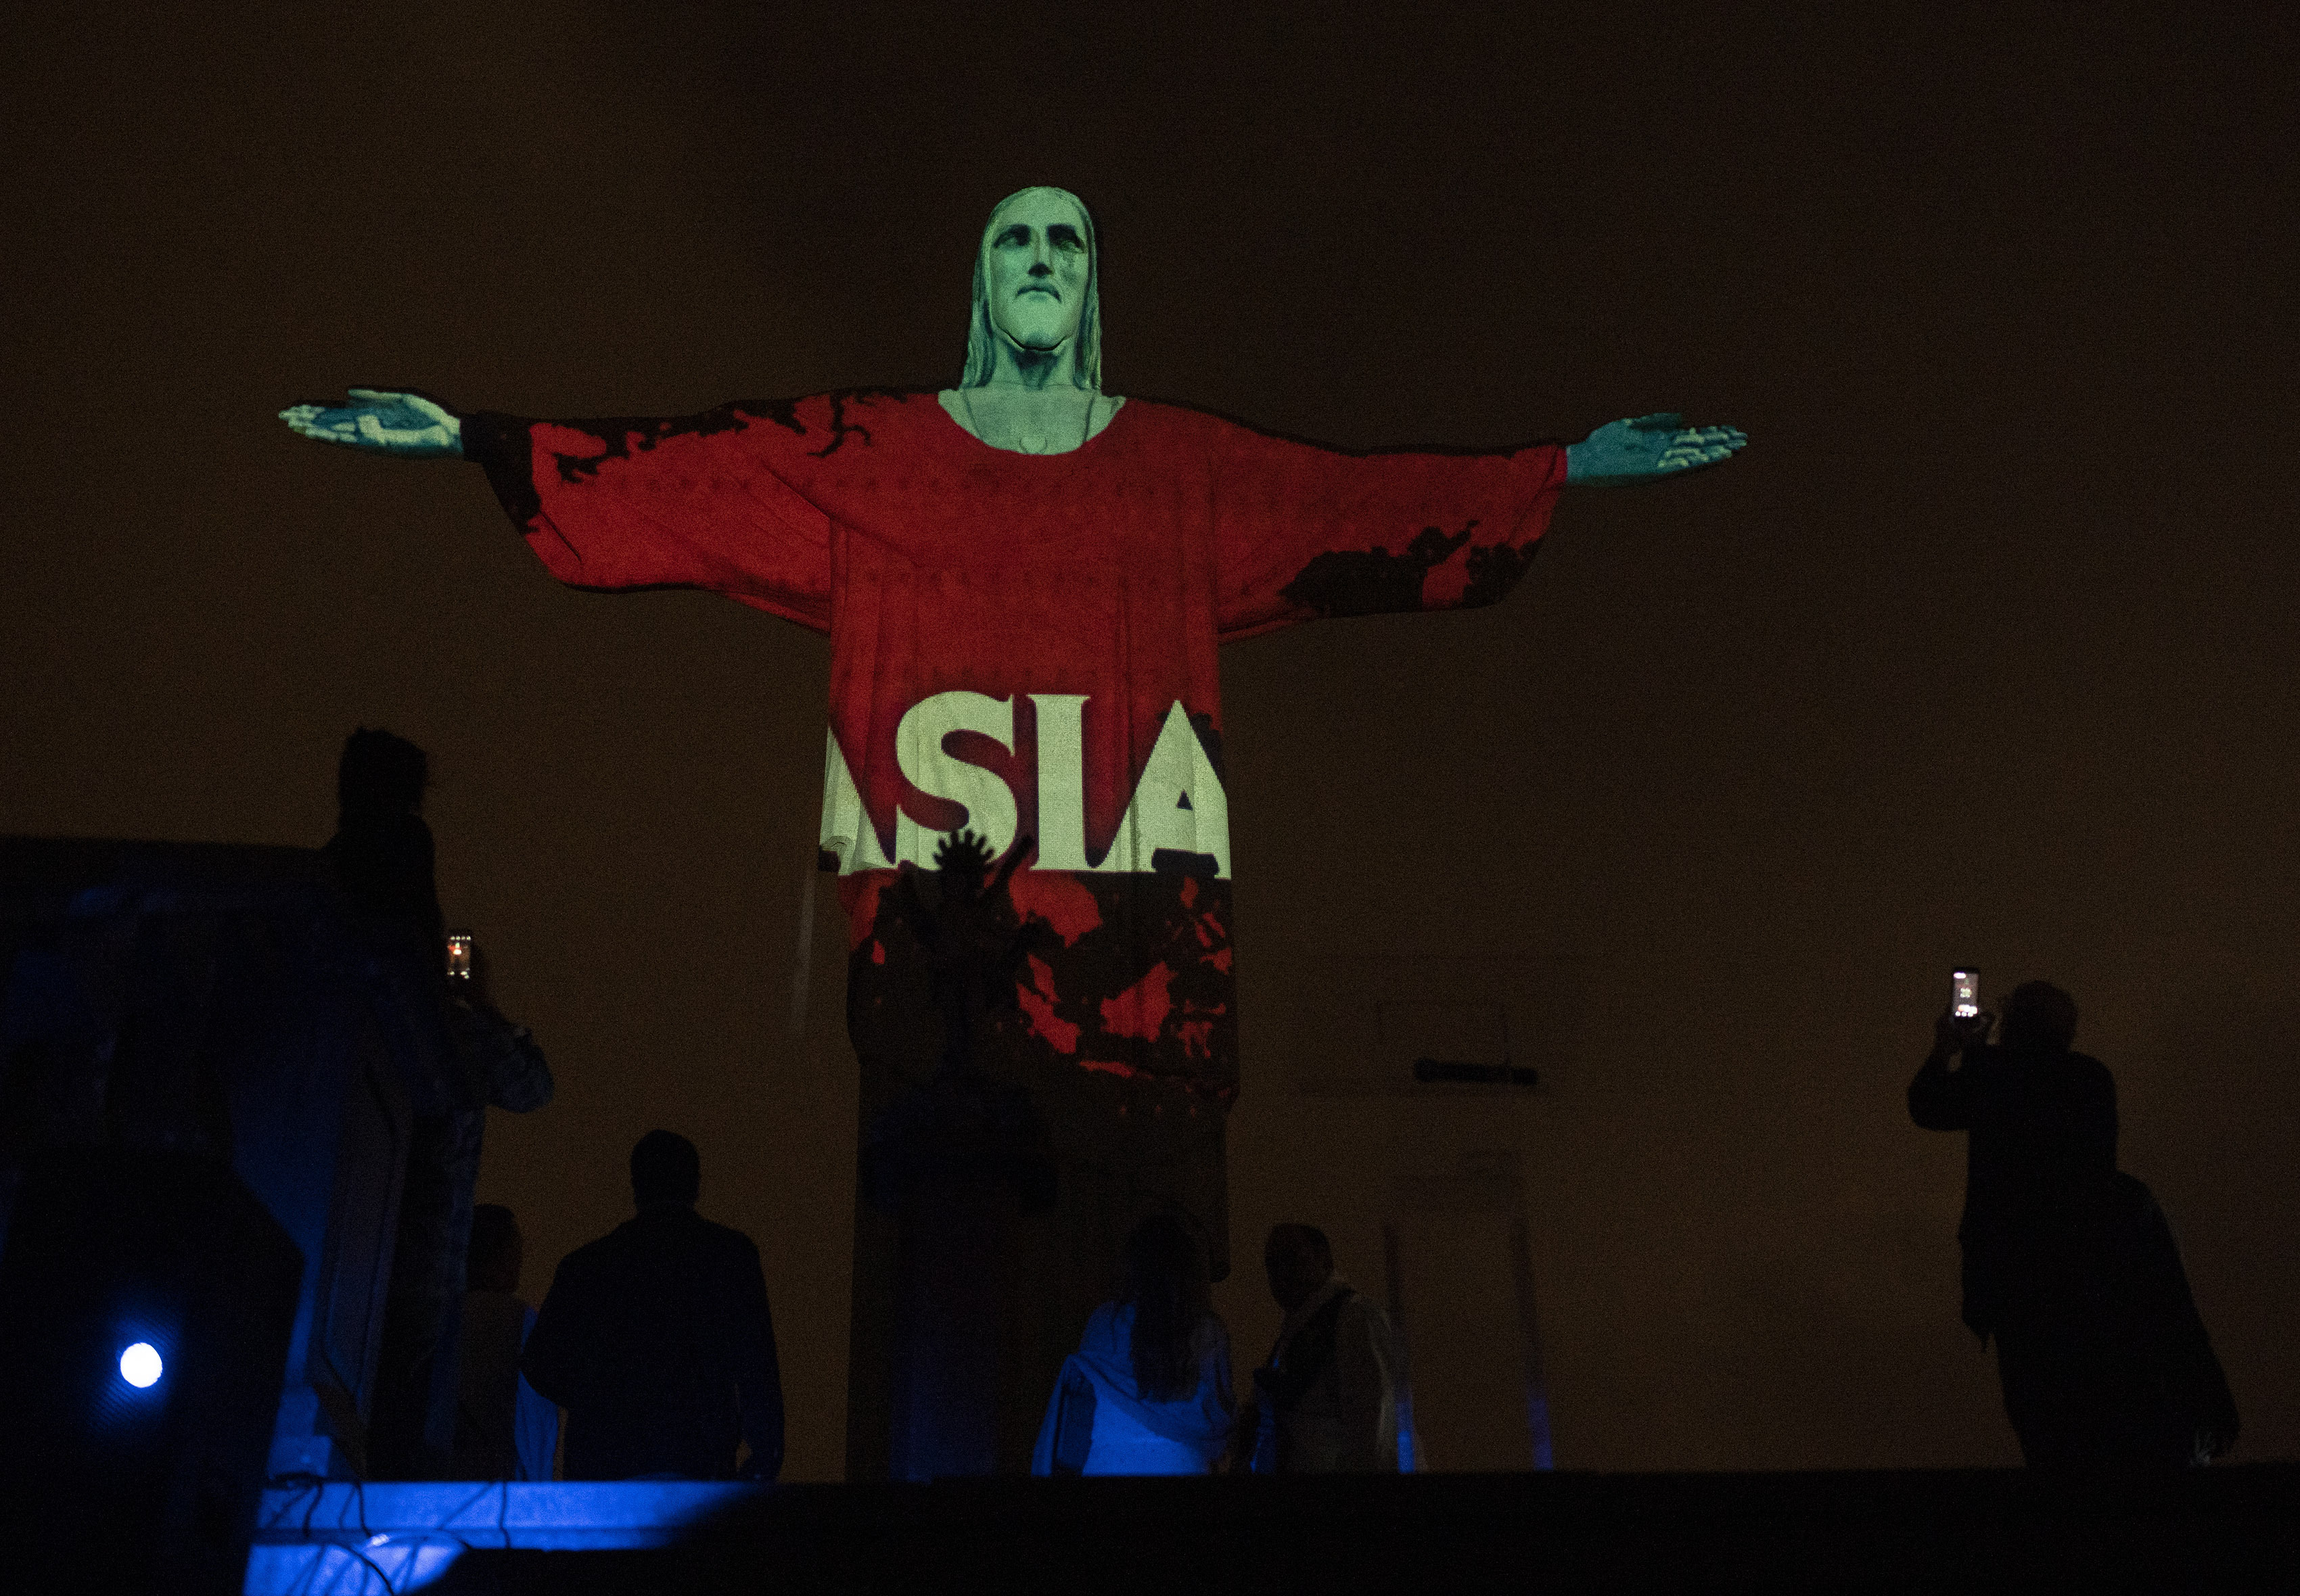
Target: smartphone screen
1964 992
459 955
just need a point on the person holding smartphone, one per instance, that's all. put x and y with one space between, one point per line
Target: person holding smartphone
461 1056
2068 1263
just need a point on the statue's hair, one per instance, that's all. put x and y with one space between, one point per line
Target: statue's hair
982 335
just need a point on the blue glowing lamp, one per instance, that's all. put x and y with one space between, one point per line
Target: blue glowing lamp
140 1366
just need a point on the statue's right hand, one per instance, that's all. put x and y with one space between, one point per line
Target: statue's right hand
389 423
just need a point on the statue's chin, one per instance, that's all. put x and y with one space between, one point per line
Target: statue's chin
1038 342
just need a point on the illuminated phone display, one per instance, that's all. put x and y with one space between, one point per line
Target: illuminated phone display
1964 992
459 955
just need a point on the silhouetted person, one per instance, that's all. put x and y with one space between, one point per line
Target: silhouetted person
657 1339
504 1430
1326 1400
382 851
971 938
2067 1262
956 1160
460 1055
1148 1392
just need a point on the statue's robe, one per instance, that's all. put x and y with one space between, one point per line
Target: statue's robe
1025 644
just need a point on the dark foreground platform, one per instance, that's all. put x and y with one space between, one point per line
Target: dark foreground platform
2228 1528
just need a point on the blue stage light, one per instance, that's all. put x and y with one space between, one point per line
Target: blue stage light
140 1365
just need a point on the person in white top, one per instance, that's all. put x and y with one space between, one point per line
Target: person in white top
1326 1400
1148 1390
504 1428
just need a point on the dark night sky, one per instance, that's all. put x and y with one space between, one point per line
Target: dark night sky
1981 652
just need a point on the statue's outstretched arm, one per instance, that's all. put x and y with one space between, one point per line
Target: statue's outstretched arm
1647 450
763 543
387 421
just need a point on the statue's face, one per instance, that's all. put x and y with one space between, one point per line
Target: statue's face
1038 269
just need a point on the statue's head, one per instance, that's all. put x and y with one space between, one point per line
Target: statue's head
1036 286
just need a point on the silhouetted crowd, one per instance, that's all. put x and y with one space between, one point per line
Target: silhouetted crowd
657 1340
657 1343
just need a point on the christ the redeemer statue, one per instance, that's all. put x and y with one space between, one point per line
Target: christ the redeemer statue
1025 581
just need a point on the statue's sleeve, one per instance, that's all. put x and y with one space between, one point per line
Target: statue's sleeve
687 502
1303 532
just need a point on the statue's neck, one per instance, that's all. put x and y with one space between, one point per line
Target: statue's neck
1036 369
1031 402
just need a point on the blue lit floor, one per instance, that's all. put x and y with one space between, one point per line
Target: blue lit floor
341 1538
2223 1528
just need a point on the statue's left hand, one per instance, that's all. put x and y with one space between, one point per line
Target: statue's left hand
1649 449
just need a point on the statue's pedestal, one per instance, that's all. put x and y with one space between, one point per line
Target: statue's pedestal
961 1170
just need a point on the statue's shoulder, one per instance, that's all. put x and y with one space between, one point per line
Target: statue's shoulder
1175 417
1182 417
823 423
829 399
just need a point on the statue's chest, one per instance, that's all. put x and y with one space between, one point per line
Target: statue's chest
1015 517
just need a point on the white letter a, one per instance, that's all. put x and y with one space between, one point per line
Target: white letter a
1177 805
846 828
